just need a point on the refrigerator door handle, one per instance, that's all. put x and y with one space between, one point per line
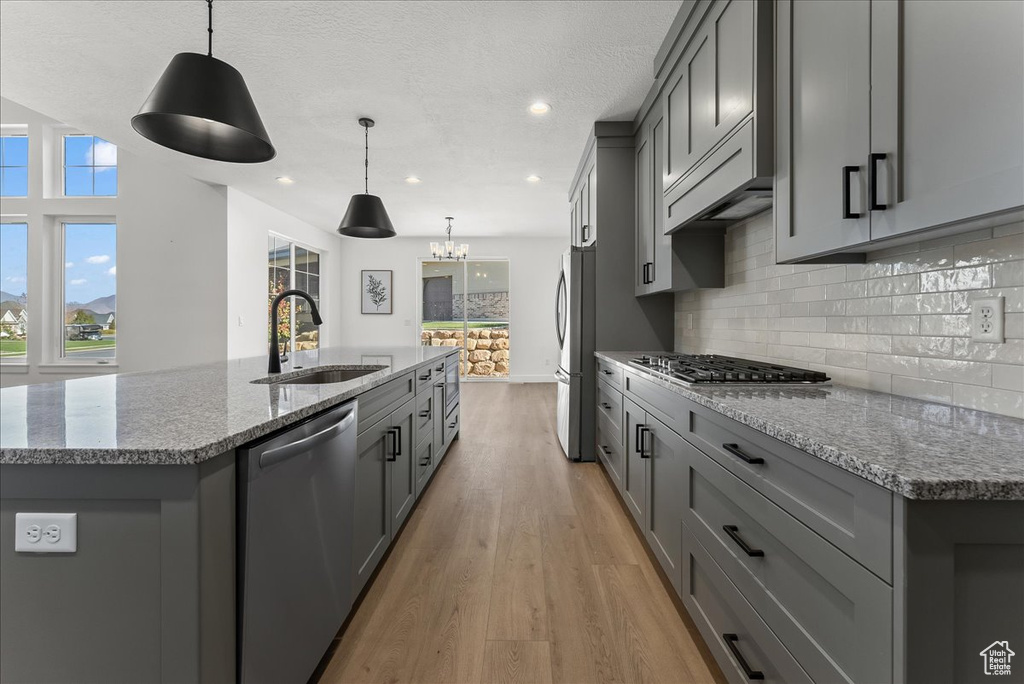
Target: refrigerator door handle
561 311
562 376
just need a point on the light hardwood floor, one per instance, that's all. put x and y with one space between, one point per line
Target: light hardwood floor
517 566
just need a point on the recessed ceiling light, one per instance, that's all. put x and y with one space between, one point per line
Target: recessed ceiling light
284 180
540 108
533 179
412 180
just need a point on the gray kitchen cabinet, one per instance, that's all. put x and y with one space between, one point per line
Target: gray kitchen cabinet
583 199
402 466
718 112
644 171
823 64
634 470
438 415
424 465
385 488
872 143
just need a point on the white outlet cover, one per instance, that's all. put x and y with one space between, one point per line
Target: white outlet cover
27 526
987 320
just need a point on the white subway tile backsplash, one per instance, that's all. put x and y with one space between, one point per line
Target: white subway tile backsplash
898 323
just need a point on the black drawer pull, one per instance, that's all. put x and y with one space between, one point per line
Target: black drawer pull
848 213
606 450
734 534
606 371
605 405
730 643
637 445
734 449
394 445
427 376
425 414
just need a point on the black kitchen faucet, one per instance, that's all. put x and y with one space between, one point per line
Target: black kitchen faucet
274 365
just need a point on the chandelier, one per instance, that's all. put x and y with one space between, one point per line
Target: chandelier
448 249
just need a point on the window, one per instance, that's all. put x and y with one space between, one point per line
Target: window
14 166
90 292
90 167
13 301
291 266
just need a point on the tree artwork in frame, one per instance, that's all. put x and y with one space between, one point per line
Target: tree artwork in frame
376 292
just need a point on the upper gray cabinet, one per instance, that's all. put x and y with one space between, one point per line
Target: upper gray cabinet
895 117
717 103
584 207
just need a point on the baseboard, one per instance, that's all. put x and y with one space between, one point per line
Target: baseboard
550 377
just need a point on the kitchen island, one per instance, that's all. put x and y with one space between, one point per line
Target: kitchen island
823 532
147 461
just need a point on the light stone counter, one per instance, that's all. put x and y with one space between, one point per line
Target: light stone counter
181 415
918 449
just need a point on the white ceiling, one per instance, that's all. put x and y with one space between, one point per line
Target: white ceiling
448 83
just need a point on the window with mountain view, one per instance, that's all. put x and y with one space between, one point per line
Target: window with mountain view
14 166
90 167
90 291
13 301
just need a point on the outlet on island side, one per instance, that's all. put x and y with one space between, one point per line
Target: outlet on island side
46 532
987 320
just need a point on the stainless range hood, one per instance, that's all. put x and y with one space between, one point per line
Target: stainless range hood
740 206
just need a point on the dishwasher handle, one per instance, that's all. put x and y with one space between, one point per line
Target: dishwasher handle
282 453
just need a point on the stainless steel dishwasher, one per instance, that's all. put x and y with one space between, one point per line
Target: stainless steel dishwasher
295 504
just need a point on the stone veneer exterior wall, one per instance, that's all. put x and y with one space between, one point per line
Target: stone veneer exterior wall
899 323
482 306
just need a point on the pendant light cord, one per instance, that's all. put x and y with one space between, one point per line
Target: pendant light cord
209 28
366 161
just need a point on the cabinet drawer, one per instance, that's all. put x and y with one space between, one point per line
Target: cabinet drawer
425 377
609 448
740 641
451 424
609 405
380 401
831 613
726 170
664 404
852 513
610 373
424 418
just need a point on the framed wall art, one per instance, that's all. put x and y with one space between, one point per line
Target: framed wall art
376 292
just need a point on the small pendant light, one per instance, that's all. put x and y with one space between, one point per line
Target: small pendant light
366 217
201 106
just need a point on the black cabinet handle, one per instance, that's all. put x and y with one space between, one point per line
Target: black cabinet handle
605 449
440 369
394 444
398 441
644 451
847 172
734 534
730 643
427 376
734 449
586 233
636 439
606 371
873 180
425 414
606 406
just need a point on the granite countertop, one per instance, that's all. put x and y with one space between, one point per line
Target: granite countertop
918 449
181 415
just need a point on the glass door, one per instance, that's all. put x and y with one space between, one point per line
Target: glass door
466 304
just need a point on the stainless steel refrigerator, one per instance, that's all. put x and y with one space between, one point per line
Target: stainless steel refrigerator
595 310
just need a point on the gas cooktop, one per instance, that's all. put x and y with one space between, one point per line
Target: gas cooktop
711 369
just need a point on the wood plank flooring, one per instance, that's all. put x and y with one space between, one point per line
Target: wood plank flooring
517 566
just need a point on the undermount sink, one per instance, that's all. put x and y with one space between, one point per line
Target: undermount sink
322 377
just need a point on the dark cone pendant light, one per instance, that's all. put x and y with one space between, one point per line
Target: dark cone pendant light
366 217
201 106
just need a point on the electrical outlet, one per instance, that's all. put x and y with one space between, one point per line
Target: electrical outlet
987 320
46 532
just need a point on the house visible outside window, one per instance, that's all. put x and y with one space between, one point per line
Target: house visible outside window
90 291
90 167
291 266
13 300
14 166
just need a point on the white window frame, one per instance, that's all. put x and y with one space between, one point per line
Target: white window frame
18 364
14 130
59 133
292 244
54 360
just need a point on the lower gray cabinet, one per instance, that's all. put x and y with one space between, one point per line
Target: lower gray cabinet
424 466
438 416
634 470
385 489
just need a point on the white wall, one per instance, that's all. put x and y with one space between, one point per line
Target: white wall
249 221
533 273
171 251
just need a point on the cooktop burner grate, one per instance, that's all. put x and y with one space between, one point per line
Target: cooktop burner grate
712 368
